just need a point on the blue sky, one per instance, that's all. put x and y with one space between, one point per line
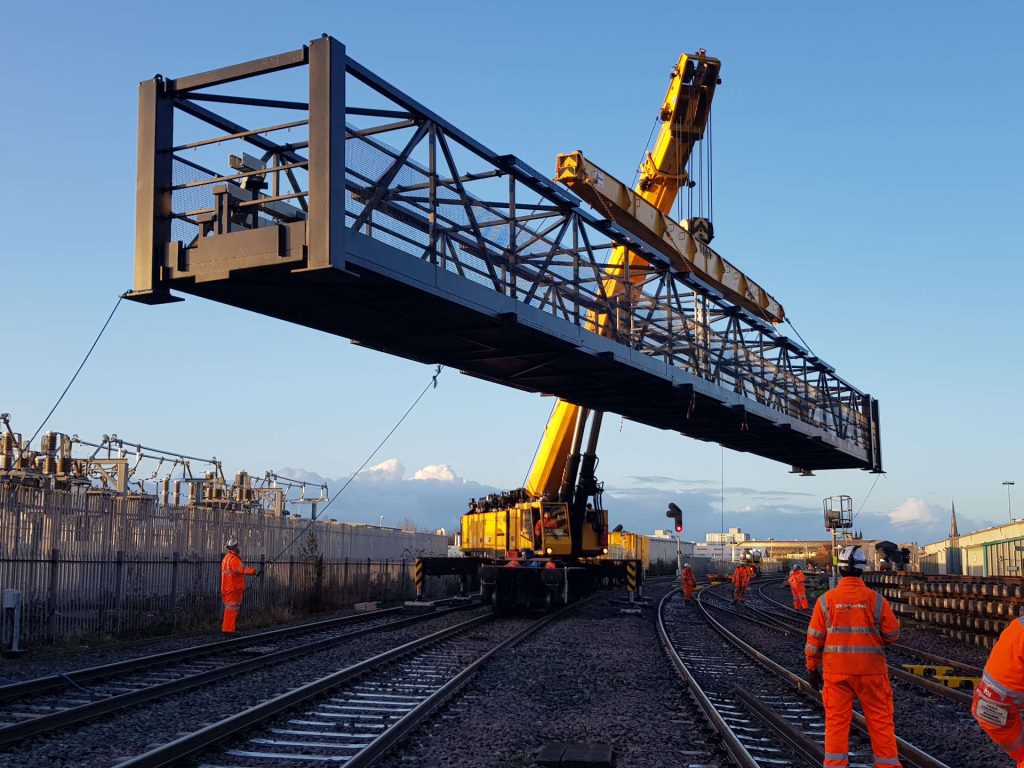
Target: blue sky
867 173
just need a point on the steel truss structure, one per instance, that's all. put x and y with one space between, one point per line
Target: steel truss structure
362 213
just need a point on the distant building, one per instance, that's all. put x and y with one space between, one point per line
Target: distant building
663 546
734 536
715 551
995 551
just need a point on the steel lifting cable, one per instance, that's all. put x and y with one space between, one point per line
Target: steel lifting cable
700 176
432 384
647 147
880 474
711 170
81 365
790 324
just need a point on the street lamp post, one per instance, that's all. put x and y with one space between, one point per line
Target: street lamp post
1009 511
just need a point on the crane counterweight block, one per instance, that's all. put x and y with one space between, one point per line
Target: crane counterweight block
632 212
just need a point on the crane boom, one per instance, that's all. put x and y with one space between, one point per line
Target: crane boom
684 115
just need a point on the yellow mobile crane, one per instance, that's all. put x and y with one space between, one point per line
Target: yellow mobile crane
558 516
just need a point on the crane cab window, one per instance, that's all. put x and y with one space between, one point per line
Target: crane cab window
554 519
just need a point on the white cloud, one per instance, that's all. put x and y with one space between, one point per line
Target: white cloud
913 512
442 472
385 490
388 471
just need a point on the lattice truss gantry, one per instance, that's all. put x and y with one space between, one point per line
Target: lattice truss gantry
356 210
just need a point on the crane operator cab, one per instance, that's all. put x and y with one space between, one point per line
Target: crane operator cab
551 528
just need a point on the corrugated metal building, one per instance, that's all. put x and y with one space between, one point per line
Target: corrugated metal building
995 551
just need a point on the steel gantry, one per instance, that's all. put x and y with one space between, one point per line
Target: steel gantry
355 210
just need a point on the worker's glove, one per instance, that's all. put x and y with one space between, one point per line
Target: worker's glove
257 572
814 678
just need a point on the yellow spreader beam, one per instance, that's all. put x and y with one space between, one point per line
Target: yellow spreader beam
632 212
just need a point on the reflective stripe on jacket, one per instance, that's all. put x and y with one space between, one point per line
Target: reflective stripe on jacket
849 629
1004 670
233 572
689 578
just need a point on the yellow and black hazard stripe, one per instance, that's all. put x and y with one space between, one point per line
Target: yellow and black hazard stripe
418 577
631 576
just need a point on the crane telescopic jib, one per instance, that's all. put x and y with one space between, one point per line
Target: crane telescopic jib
559 514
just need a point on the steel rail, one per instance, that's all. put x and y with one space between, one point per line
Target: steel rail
900 674
404 726
243 175
908 752
806 747
730 741
89 674
240 135
172 752
74 715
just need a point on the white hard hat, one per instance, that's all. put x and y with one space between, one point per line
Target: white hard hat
686 565
795 568
231 543
852 558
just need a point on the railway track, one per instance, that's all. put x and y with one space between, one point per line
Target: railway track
899 655
765 714
794 616
50 703
356 714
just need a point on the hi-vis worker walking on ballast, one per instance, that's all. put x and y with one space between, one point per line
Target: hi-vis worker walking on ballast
796 586
232 584
689 582
999 697
740 581
849 629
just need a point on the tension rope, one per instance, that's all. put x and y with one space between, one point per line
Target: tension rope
432 384
79 370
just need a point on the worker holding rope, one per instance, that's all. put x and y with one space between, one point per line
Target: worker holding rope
232 584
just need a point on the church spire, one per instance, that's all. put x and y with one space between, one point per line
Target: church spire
953 532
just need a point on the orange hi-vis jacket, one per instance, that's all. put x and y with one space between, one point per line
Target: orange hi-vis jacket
689 580
741 577
849 629
796 581
233 572
999 696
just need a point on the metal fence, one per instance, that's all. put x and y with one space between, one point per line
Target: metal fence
92 565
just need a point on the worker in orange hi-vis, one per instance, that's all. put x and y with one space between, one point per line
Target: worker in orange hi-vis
689 583
796 586
999 697
740 580
849 629
232 584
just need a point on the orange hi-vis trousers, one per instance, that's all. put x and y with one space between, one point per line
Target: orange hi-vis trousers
232 602
799 597
875 695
